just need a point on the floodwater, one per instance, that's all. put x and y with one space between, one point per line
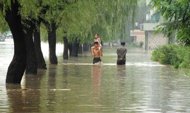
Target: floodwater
76 86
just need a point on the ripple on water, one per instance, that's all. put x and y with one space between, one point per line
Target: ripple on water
140 86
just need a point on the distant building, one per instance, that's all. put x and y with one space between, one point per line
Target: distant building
152 39
138 37
146 35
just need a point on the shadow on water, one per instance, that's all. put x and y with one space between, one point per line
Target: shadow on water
96 82
51 93
25 98
65 76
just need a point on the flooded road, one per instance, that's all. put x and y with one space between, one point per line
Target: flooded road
76 86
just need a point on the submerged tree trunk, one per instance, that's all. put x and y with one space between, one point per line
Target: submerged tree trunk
18 64
66 48
52 43
37 44
80 49
86 47
31 61
70 48
75 48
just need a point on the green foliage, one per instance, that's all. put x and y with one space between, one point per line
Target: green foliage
4 4
183 36
84 18
176 15
81 18
3 23
29 8
179 56
78 19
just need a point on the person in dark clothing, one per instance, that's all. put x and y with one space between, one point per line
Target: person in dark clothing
121 54
96 52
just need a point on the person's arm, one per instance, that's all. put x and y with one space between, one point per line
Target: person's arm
101 51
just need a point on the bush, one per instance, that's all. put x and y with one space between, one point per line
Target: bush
178 56
165 54
185 55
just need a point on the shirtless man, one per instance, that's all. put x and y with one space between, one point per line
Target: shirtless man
96 52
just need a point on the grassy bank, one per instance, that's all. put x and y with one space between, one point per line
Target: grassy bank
178 56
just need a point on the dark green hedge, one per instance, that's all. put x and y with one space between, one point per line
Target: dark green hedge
176 55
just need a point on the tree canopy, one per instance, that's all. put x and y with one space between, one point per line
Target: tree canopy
80 18
176 14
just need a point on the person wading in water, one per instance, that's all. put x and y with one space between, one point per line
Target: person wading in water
98 39
121 54
96 51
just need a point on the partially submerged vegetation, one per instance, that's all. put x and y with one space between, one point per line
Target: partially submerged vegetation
178 56
175 26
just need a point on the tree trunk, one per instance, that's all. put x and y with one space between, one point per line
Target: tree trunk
70 48
86 47
37 44
18 64
66 48
52 43
31 61
80 49
75 48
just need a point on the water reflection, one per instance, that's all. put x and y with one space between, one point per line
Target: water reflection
121 71
123 97
25 97
51 93
141 86
16 99
96 81
65 76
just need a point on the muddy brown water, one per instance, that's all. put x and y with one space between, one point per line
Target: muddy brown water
77 86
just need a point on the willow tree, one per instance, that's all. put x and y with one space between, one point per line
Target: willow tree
108 18
78 18
46 12
20 22
49 13
28 28
34 16
10 11
77 21
111 17
117 16
176 14
52 19
4 27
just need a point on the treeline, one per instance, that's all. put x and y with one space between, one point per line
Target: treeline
71 21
